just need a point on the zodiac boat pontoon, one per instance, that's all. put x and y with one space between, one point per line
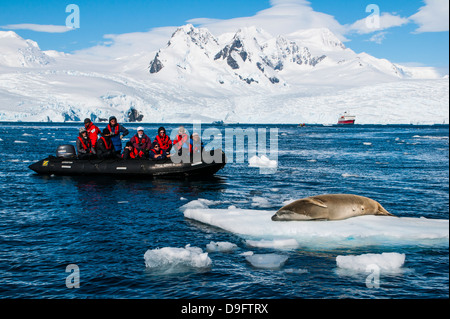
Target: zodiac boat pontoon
66 163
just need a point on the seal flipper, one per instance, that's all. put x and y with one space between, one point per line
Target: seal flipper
316 201
382 211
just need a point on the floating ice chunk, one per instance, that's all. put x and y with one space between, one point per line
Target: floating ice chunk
267 261
260 202
432 137
220 246
277 243
385 261
247 253
367 143
349 175
172 259
262 161
20 142
200 203
26 134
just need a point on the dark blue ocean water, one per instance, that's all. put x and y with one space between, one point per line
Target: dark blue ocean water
105 225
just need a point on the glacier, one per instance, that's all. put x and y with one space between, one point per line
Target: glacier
249 76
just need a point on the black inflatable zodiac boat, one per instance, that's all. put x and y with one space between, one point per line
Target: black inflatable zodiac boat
66 163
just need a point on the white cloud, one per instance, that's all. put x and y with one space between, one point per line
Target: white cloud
433 17
38 27
378 37
283 17
126 44
385 21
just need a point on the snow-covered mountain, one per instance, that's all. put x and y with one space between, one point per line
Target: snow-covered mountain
259 59
17 52
249 76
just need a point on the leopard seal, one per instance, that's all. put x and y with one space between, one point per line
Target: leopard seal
329 207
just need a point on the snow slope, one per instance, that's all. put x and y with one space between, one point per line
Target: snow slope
248 77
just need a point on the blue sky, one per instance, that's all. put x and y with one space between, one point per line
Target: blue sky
410 31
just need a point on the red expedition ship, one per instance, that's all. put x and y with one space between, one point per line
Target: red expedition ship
346 119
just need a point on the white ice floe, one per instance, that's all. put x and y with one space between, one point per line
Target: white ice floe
247 253
384 261
431 137
349 175
262 202
220 247
267 261
200 203
262 161
20 142
356 231
173 260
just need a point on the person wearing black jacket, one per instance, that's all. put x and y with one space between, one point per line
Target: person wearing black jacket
105 147
84 145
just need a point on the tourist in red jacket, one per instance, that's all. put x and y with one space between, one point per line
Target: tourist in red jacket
130 152
163 140
141 141
92 131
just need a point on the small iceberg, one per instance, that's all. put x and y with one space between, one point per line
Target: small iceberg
262 161
170 260
385 261
266 261
200 203
220 247
262 202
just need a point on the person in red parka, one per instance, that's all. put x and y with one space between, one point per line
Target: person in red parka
130 152
163 140
92 130
141 141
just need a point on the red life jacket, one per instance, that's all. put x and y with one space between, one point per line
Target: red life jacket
85 147
135 153
116 129
154 151
93 132
144 140
108 146
180 140
164 142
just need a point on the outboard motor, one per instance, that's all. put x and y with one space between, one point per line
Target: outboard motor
65 151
